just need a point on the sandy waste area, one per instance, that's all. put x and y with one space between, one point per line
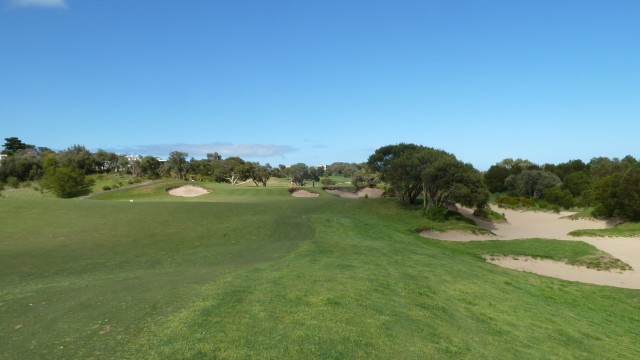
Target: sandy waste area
371 193
529 224
304 194
188 191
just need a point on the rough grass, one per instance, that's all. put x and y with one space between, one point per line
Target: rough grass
622 230
255 273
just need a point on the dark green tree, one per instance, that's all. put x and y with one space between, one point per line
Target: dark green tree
401 166
495 177
299 173
13 144
234 169
412 170
178 163
532 183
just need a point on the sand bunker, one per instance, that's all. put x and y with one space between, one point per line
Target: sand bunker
304 194
529 224
366 192
560 270
188 191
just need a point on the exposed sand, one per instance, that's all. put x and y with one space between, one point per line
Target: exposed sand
560 270
188 191
371 193
304 194
528 224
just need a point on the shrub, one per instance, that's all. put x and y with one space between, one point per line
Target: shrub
106 188
436 213
560 197
327 181
13 182
66 182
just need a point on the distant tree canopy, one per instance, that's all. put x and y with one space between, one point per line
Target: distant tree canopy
610 186
442 179
13 144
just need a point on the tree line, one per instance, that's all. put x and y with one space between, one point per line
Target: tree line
409 171
610 186
66 172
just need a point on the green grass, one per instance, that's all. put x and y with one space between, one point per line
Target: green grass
574 253
624 229
246 272
584 213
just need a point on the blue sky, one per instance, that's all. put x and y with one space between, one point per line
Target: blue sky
323 81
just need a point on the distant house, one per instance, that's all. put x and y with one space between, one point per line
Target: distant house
321 166
2 156
133 157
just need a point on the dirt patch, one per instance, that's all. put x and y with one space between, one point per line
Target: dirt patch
188 191
304 194
105 329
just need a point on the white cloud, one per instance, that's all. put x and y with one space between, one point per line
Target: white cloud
41 3
201 150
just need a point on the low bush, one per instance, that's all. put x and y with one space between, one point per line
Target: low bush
13 182
436 213
327 181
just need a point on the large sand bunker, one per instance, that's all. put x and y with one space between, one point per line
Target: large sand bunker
304 194
366 192
188 191
528 224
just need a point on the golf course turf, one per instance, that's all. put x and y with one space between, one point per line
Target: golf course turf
247 272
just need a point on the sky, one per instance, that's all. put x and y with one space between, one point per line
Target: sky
317 82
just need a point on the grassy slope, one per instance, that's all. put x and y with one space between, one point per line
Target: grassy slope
255 273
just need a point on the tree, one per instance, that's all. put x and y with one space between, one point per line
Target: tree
13 144
495 177
532 183
442 179
151 167
235 169
178 162
577 183
343 169
64 181
213 157
23 165
260 174
449 181
77 157
364 178
314 175
299 173
105 161
400 165
618 194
